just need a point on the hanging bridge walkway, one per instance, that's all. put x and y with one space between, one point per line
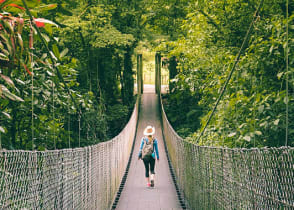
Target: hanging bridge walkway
110 176
136 195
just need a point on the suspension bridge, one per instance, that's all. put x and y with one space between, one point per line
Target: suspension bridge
110 176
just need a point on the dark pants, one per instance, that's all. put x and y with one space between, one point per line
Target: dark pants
149 161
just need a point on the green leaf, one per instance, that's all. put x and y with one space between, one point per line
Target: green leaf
7 115
2 129
232 134
55 51
243 124
8 80
61 9
1 46
279 75
286 100
3 57
10 95
259 133
43 118
271 49
46 8
8 26
263 124
20 41
64 52
20 81
49 73
247 138
260 108
52 54
276 122
49 29
46 37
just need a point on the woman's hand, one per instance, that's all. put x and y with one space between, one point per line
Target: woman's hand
140 156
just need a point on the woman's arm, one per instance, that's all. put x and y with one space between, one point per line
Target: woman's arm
141 147
156 148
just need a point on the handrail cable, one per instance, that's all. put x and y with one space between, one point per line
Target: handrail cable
287 68
233 68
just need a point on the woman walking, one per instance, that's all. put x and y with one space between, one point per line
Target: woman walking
147 152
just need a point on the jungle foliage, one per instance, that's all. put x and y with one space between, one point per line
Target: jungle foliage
66 78
252 112
91 44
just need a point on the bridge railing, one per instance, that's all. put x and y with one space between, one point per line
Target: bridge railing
223 178
81 178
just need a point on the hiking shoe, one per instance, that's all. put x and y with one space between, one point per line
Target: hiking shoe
152 183
148 184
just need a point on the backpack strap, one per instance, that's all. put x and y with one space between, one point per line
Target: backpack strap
146 139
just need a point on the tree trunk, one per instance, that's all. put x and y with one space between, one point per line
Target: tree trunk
128 80
172 67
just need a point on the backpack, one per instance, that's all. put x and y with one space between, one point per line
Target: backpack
147 149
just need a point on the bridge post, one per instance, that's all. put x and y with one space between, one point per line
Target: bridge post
139 74
158 72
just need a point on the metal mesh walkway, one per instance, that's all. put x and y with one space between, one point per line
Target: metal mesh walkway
136 195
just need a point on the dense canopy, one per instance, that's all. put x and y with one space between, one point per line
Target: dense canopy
67 69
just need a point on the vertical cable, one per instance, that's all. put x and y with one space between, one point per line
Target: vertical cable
254 111
53 113
287 77
32 85
32 108
236 105
68 125
79 128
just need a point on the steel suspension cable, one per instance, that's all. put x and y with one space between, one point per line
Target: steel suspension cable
79 120
287 77
68 125
53 113
32 87
233 69
254 110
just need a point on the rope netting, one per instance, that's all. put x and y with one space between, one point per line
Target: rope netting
82 178
224 178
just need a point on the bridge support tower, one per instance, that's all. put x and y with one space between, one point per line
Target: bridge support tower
139 74
157 72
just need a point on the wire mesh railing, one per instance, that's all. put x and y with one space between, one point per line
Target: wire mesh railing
224 178
81 178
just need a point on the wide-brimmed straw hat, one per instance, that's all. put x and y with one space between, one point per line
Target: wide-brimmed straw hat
149 130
